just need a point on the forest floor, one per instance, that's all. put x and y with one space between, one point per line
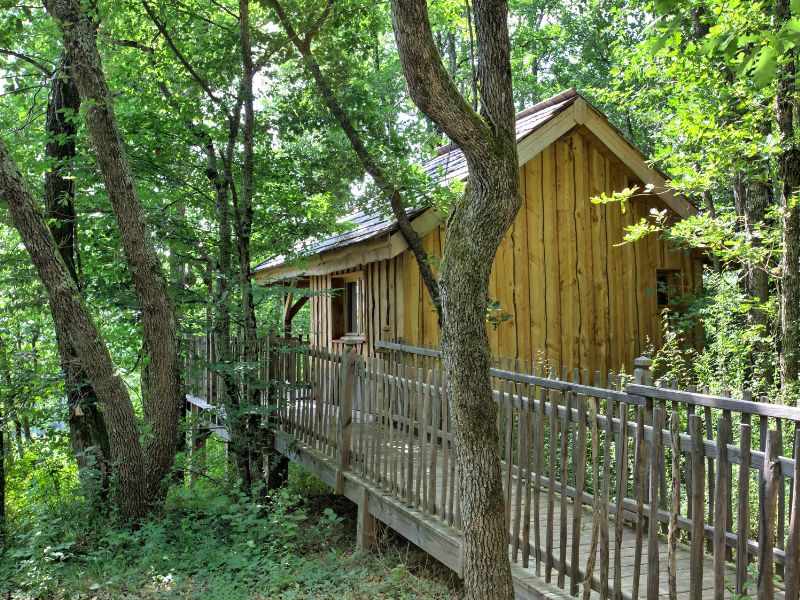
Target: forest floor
206 545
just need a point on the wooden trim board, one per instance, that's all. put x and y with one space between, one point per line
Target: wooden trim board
384 247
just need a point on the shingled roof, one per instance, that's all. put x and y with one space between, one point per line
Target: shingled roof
448 165
365 226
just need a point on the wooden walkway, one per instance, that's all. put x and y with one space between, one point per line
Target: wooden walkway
707 484
429 531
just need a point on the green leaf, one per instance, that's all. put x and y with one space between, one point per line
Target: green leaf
764 65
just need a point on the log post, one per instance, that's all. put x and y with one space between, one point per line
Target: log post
367 525
641 371
347 388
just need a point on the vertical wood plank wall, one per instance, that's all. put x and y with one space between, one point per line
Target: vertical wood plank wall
573 295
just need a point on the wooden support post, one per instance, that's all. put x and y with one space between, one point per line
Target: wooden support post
347 389
367 525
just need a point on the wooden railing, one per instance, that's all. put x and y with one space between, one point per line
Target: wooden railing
659 478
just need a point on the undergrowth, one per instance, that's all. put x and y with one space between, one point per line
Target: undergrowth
210 543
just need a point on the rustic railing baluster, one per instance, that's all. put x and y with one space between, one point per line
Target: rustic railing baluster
577 513
767 511
721 507
743 517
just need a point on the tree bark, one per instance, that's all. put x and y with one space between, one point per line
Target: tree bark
2 480
162 400
789 171
88 433
251 447
475 228
72 317
752 198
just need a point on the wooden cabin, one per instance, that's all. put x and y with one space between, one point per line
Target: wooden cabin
565 289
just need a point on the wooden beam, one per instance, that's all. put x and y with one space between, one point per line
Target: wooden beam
366 526
290 311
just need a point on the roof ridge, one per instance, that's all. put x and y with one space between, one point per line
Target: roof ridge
562 96
557 99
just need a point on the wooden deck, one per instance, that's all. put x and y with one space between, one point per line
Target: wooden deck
707 484
433 534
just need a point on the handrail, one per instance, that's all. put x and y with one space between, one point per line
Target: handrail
750 407
633 393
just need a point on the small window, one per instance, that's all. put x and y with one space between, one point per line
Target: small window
669 287
353 303
347 306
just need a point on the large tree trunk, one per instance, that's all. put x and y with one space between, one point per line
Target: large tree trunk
73 318
252 445
88 433
789 170
475 229
162 400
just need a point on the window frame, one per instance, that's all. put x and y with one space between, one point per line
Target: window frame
342 311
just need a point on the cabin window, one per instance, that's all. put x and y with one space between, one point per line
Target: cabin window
352 301
668 287
347 306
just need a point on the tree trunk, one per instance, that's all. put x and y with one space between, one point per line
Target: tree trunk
2 481
88 433
72 317
250 459
475 228
752 198
789 170
162 402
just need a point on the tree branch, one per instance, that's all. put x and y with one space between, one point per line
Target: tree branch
369 164
429 84
30 60
162 29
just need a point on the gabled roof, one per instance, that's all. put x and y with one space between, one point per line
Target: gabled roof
537 127
449 164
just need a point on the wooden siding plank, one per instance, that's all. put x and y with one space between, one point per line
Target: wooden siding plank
504 294
585 273
551 237
615 278
537 286
522 313
567 252
597 214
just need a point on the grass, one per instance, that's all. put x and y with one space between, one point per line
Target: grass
210 544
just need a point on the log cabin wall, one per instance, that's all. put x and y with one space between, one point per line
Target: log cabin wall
382 307
568 293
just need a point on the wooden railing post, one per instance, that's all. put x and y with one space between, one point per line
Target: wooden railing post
641 371
347 389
